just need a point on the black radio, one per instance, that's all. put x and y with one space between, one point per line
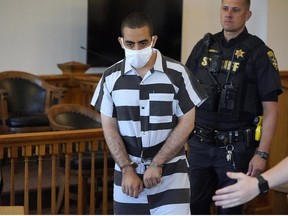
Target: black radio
227 99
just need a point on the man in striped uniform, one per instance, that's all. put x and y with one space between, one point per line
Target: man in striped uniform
147 111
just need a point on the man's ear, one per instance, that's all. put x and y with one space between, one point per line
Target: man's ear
120 40
154 40
248 15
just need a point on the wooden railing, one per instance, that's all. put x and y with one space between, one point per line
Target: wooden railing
275 202
51 144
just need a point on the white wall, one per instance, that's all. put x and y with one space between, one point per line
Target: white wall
278 30
36 35
199 17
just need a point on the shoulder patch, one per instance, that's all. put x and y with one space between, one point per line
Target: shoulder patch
273 59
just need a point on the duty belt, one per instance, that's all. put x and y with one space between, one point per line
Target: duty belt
223 138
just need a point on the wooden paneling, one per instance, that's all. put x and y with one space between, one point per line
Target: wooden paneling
275 202
80 86
279 149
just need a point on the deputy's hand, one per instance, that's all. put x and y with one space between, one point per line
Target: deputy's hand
152 176
256 166
239 193
131 183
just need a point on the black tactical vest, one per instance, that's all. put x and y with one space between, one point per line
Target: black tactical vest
228 81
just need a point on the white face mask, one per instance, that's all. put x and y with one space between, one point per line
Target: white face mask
137 58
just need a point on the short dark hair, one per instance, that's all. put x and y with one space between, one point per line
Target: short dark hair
247 2
137 20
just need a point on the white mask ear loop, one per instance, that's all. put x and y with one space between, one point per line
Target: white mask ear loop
152 41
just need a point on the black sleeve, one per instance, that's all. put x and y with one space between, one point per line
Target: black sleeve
272 96
192 60
267 74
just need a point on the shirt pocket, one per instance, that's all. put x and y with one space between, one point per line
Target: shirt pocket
161 107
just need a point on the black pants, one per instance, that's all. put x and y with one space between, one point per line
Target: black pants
208 167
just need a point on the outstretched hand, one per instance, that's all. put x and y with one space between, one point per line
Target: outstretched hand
239 193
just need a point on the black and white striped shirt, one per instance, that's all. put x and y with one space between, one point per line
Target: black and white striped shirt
147 109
